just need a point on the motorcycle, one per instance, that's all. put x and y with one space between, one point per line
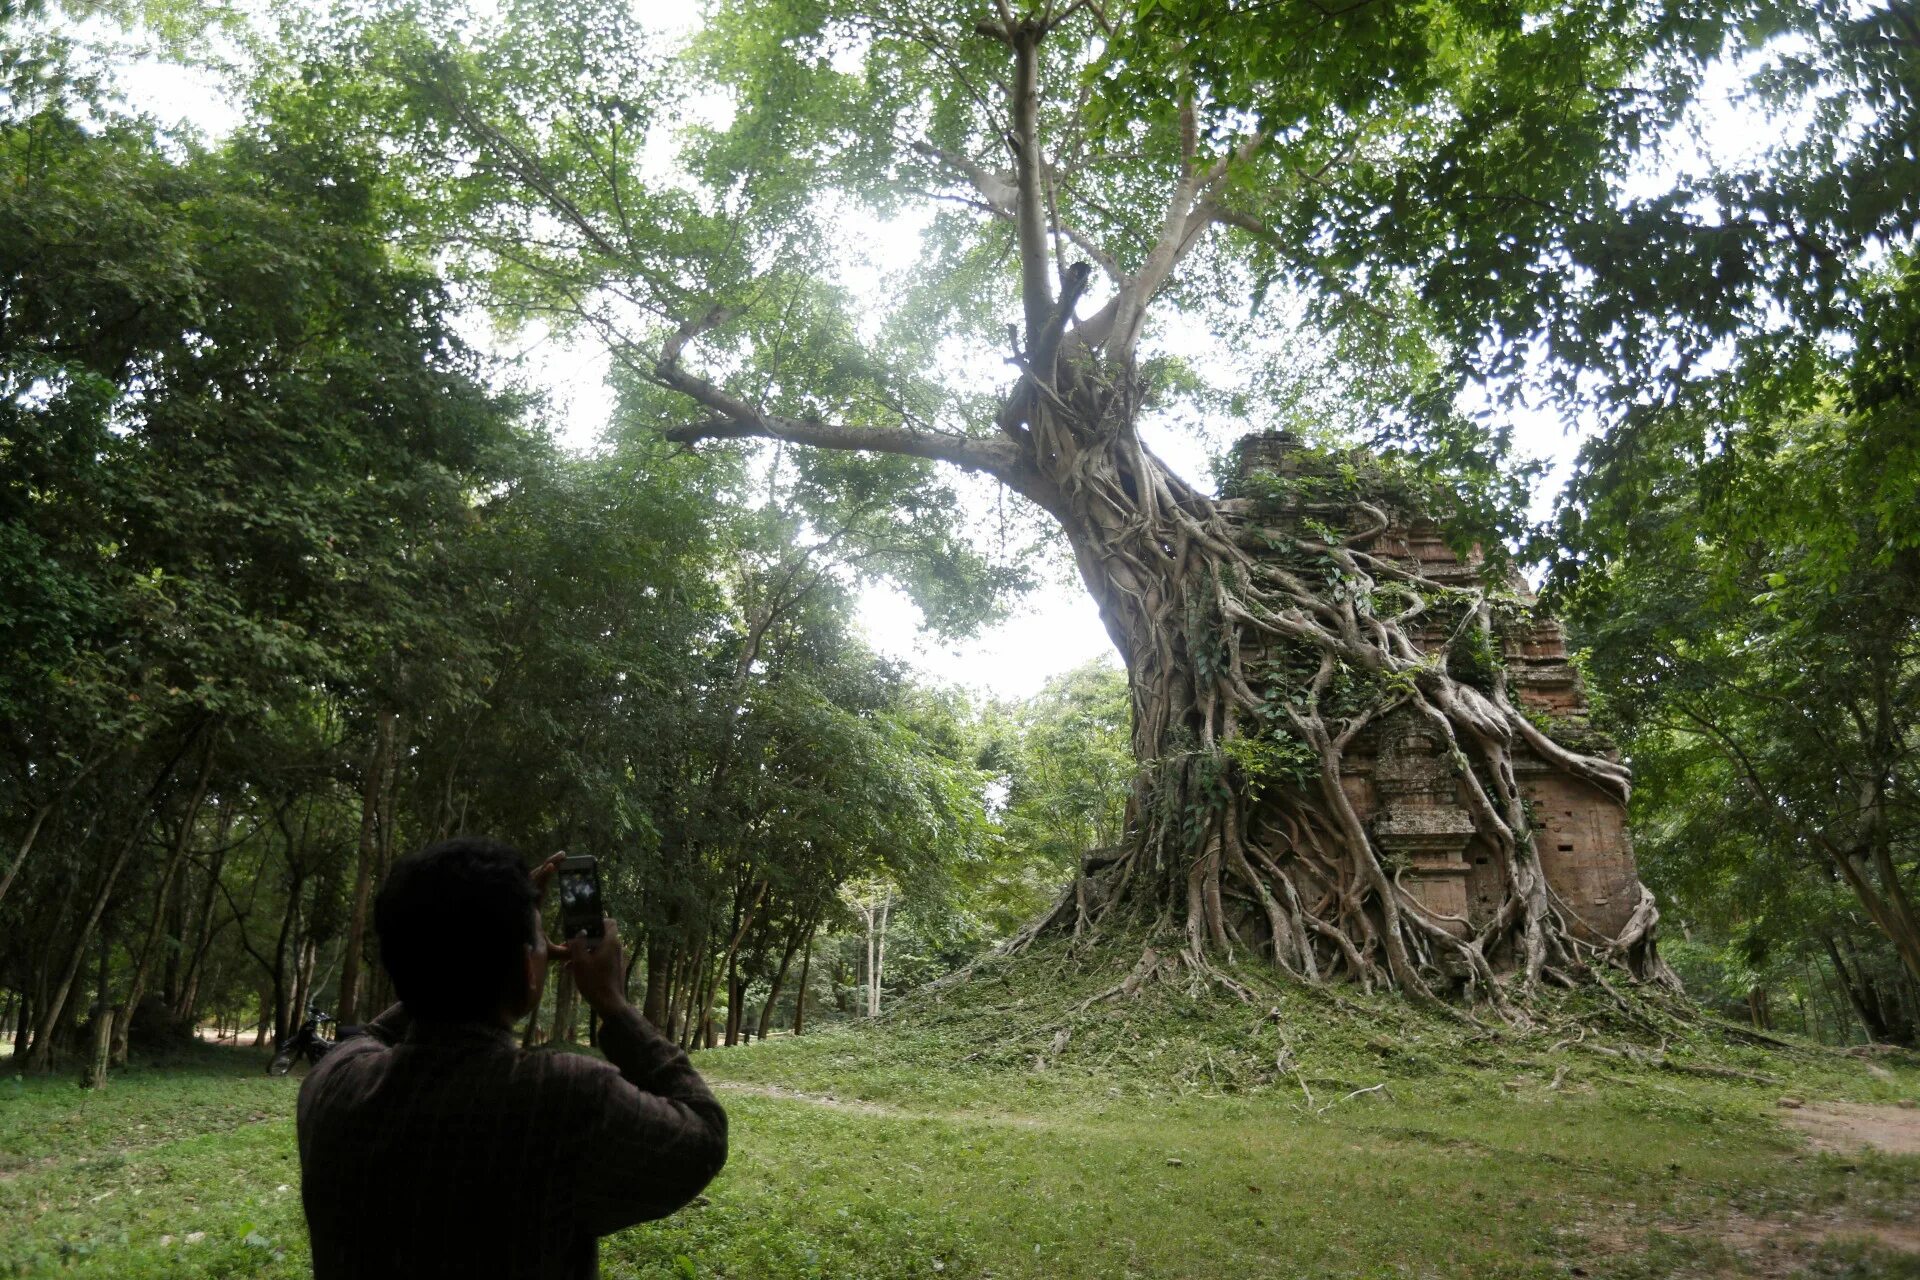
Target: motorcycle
311 1041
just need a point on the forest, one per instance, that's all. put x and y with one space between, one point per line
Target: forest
317 546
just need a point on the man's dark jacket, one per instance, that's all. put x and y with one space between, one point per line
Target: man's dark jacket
436 1150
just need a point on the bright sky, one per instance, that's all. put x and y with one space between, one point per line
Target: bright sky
1053 630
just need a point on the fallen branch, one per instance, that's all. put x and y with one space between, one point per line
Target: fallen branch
1372 1088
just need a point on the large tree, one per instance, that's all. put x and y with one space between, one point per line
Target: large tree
1434 188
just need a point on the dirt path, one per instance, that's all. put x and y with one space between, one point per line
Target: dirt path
1003 1119
785 1094
1849 1126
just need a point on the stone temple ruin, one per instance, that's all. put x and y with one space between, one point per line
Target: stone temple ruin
1401 782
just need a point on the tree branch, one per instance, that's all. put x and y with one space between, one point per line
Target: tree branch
736 419
1186 217
1030 213
1000 194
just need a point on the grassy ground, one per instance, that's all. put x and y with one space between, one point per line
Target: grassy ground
996 1129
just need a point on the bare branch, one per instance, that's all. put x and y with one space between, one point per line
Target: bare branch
991 457
998 190
736 419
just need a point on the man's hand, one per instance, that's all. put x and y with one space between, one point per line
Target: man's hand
599 969
542 875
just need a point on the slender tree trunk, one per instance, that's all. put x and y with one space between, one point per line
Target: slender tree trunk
192 996
779 980
1844 1016
653 1004
378 762
530 1031
696 984
95 1076
204 934
40 1055
743 920
670 1001
696 1002
867 915
289 921
1870 1020
880 957
806 970
143 966
25 846
735 994
177 927
39 817
563 1010
304 953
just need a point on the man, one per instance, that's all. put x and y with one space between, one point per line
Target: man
432 1145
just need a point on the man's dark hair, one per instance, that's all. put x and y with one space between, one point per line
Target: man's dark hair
454 921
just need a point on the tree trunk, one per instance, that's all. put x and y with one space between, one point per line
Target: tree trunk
563 1010
289 920
743 914
378 763
880 959
377 982
306 952
177 926
653 1006
143 966
204 933
530 1032
1870 1020
736 996
696 992
779 980
22 1033
95 1076
868 914
26 846
800 996
39 1056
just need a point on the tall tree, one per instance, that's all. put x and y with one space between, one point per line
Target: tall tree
1078 170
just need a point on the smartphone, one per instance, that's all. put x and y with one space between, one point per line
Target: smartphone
582 914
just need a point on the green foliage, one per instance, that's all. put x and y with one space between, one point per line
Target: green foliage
1753 622
1281 761
288 587
1065 756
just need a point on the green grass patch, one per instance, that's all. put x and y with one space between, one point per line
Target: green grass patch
967 1136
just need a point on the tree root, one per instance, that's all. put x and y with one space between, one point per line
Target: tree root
1251 677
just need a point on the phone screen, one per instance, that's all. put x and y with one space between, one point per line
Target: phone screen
581 912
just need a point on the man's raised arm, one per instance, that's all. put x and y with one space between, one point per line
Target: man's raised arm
659 1136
